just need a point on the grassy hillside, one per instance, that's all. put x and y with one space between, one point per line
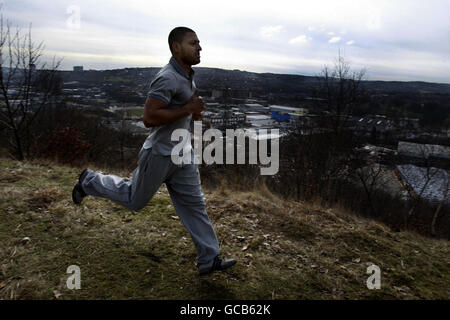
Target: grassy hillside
285 250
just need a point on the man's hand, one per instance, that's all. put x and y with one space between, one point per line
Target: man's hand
197 116
196 105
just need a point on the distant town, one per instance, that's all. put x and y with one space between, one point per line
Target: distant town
402 145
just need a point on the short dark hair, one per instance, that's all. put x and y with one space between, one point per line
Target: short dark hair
177 35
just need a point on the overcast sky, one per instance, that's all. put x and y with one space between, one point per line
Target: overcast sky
393 39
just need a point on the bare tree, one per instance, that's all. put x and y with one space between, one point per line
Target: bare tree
22 90
427 176
371 180
441 203
319 152
339 90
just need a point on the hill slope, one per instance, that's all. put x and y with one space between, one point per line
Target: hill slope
237 79
285 250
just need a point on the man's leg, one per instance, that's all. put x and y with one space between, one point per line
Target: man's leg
187 196
132 193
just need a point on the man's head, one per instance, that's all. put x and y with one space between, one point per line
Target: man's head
184 45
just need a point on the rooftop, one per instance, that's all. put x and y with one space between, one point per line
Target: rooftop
423 150
428 183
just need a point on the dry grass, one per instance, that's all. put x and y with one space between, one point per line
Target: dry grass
285 249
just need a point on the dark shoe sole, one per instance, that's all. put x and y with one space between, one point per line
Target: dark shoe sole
212 269
78 194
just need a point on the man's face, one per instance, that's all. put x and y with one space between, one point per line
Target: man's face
190 49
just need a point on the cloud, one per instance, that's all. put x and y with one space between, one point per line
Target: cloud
334 40
137 29
269 32
300 39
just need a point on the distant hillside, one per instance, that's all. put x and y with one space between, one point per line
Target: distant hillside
264 82
285 249
272 82
408 86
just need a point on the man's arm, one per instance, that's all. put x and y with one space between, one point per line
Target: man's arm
156 114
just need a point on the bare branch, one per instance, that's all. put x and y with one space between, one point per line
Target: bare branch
22 55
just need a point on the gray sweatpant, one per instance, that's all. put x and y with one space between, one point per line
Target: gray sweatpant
183 184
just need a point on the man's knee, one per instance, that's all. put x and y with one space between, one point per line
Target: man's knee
193 201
